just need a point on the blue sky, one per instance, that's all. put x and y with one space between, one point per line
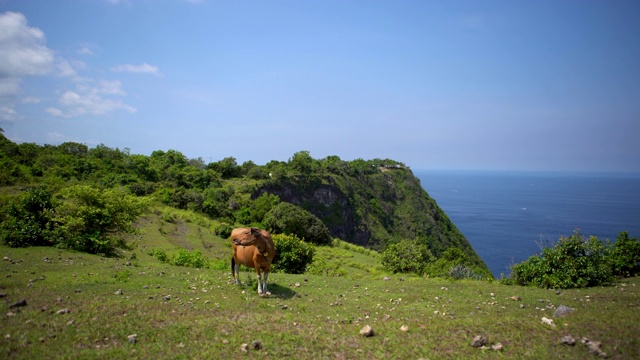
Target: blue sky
523 85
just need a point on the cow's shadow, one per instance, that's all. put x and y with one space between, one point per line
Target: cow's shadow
277 291
281 292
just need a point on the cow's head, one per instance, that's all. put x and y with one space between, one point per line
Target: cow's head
248 237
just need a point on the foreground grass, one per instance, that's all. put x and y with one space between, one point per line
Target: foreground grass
186 313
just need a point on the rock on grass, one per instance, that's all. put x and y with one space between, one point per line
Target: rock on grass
479 341
19 303
367 331
568 340
562 310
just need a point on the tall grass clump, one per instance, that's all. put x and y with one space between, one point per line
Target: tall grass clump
460 272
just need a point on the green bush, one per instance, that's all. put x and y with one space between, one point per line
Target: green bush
90 219
406 256
190 259
624 256
292 254
27 221
160 255
290 219
573 262
223 230
86 219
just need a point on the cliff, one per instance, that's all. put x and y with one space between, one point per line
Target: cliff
374 208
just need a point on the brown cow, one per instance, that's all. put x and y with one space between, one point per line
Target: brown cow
253 248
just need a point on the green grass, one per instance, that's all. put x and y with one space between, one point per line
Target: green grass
188 313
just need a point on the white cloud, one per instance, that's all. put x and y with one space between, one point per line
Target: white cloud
9 87
22 49
92 100
55 111
88 49
66 69
22 53
8 113
142 69
55 137
110 87
30 100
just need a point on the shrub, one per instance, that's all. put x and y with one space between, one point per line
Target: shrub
406 256
27 221
223 230
573 262
624 256
292 254
89 219
160 255
190 259
293 220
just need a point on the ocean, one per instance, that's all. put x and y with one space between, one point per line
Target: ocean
507 216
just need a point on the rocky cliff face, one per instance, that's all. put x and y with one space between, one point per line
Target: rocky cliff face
329 204
374 209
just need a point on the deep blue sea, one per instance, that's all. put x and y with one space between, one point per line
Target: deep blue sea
506 215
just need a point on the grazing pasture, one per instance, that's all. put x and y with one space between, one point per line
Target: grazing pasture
136 307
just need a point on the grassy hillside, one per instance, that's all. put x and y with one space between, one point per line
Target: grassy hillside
135 307
375 203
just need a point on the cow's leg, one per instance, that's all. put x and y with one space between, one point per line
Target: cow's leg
259 284
237 273
265 275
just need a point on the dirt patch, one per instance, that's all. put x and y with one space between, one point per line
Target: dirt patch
177 234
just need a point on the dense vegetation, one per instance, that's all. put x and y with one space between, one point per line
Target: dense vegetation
85 199
578 262
82 198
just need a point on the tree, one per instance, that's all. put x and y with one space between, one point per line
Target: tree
254 212
277 170
290 219
227 167
302 162
73 148
332 163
